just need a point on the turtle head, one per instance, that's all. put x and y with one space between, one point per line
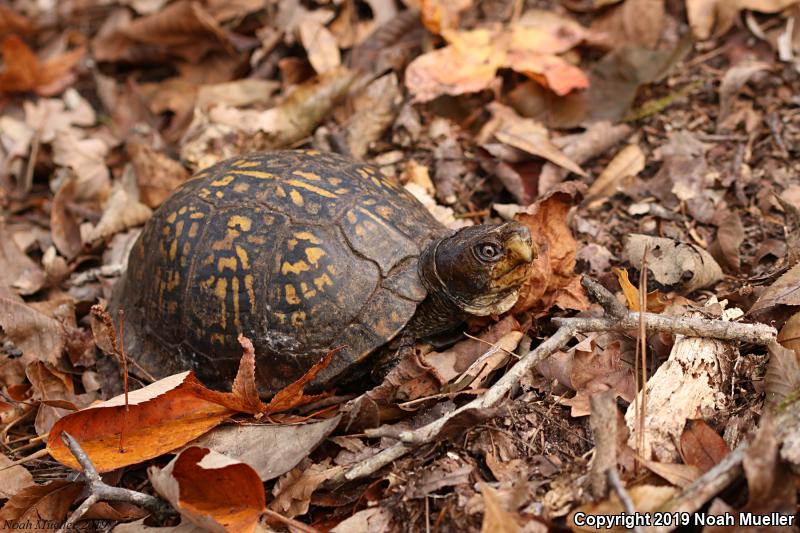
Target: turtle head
481 268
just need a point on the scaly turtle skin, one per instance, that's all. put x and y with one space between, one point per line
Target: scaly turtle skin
302 252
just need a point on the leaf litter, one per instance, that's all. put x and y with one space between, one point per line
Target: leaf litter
647 144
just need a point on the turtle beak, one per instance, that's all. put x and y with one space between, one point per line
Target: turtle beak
520 249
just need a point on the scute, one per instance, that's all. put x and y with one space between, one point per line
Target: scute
302 252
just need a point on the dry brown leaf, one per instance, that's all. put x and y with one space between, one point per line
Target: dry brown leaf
18 272
156 174
495 356
47 503
160 418
596 369
495 518
732 82
701 446
12 22
626 164
86 158
293 491
122 211
553 281
679 265
287 444
292 395
730 236
375 108
56 393
13 479
469 62
364 521
23 72
645 498
789 335
719 15
527 135
785 291
64 226
40 337
440 15
783 372
656 301
321 46
183 30
211 490
244 386
678 474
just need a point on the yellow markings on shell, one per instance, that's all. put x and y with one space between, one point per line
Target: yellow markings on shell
223 181
314 254
182 210
307 175
364 174
298 317
373 216
376 181
255 239
307 291
173 250
307 236
256 174
251 295
244 163
179 228
351 217
280 192
235 289
196 216
311 151
342 190
394 316
281 317
331 269
244 223
204 193
243 259
384 210
334 181
193 229
221 291
311 188
322 281
219 194
241 187
226 262
294 268
291 294
218 338
291 243
172 217
297 198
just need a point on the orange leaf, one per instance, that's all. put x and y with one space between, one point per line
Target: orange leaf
212 490
292 395
701 446
24 73
630 291
160 418
244 386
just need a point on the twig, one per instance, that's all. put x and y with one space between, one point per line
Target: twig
27 459
101 491
696 327
616 483
761 334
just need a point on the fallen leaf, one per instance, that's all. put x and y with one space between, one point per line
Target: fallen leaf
785 291
160 418
674 264
595 369
17 271
701 446
56 393
122 211
370 519
374 110
495 517
770 479
13 479
40 337
732 82
211 490
527 135
645 498
23 72
321 46
440 15
730 236
156 174
789 335
64 226
183 30
719 15
553 281
472 57
12 22
678 474
496 355
292 395
244 386
49 502
86 158
783 372
294 489
626 164
287 444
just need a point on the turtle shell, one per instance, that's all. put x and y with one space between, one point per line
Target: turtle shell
300 251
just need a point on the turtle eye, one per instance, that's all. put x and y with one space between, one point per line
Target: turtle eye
488 251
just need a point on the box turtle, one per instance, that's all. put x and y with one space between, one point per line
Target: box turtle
303 252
